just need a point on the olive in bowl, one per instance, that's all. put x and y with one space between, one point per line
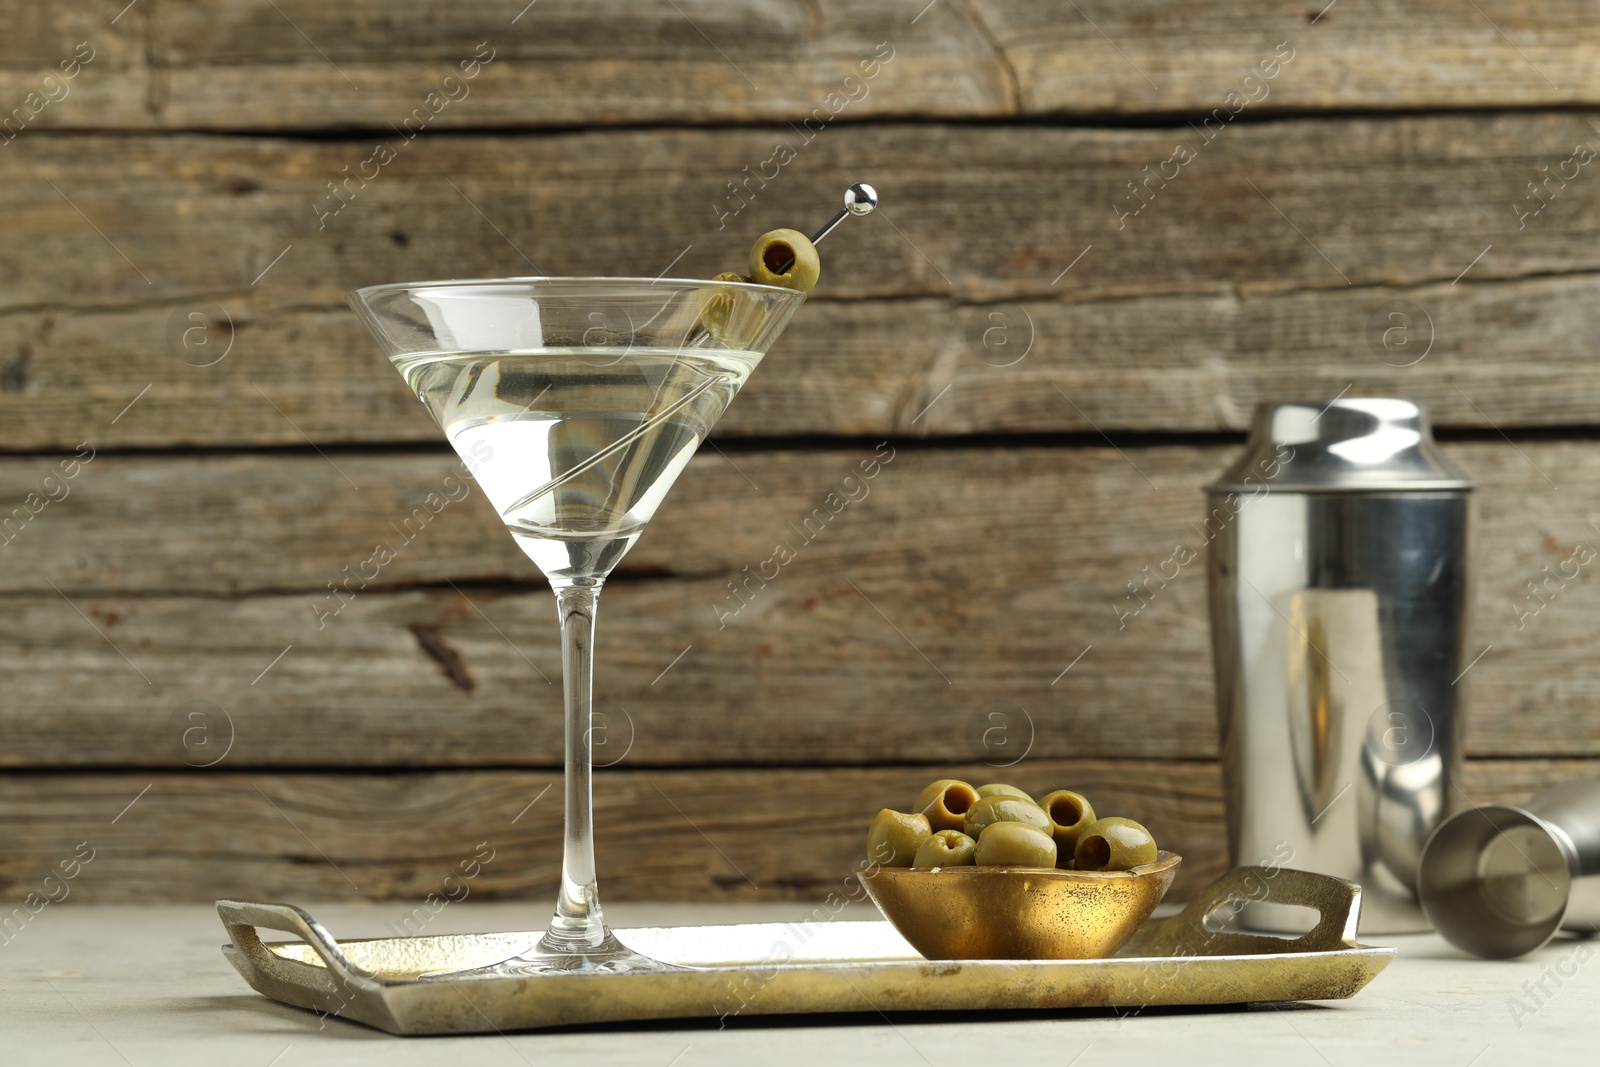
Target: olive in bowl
946 803
1114 845
1070 814
1003 807
946 848
1001 788
1015 844
894 837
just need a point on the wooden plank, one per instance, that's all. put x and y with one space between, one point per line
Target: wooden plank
983 213
296 64
292 65
250 375
661 835
1513 353
573 63
690 835
1204 303
1119 58
948 600
69 66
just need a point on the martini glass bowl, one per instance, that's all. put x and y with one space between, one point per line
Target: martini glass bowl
576 403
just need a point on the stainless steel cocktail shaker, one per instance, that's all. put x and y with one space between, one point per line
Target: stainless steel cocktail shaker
1339 582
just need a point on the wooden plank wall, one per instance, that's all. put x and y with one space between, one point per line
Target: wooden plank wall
1109 229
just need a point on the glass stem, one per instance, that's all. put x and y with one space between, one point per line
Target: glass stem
578 925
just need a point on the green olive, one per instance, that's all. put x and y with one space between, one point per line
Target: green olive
1070 813
1000 788
946 848
1114 845
945 803
1015 844
894 837
1002 807
729 315
785 258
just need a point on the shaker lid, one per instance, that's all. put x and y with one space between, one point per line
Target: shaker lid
1349 444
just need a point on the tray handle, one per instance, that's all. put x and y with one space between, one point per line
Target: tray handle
1337 902
341 976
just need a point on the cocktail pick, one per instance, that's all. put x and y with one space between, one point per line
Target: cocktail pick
859 199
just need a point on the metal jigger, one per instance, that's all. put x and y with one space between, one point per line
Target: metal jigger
1499 881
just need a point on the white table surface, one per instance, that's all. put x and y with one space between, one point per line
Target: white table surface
86 984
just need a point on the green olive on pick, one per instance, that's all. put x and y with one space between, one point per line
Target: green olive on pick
718 306
1114 845
785 258
894 837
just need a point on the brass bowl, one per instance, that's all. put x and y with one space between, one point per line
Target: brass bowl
1019 913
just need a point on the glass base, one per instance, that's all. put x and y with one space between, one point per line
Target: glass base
610 956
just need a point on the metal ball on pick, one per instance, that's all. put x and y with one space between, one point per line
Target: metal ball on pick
860 199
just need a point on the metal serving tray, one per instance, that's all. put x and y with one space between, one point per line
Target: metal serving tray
791 968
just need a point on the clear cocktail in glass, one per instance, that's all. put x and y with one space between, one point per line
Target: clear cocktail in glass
576 403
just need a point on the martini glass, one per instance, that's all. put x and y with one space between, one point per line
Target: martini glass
576 403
